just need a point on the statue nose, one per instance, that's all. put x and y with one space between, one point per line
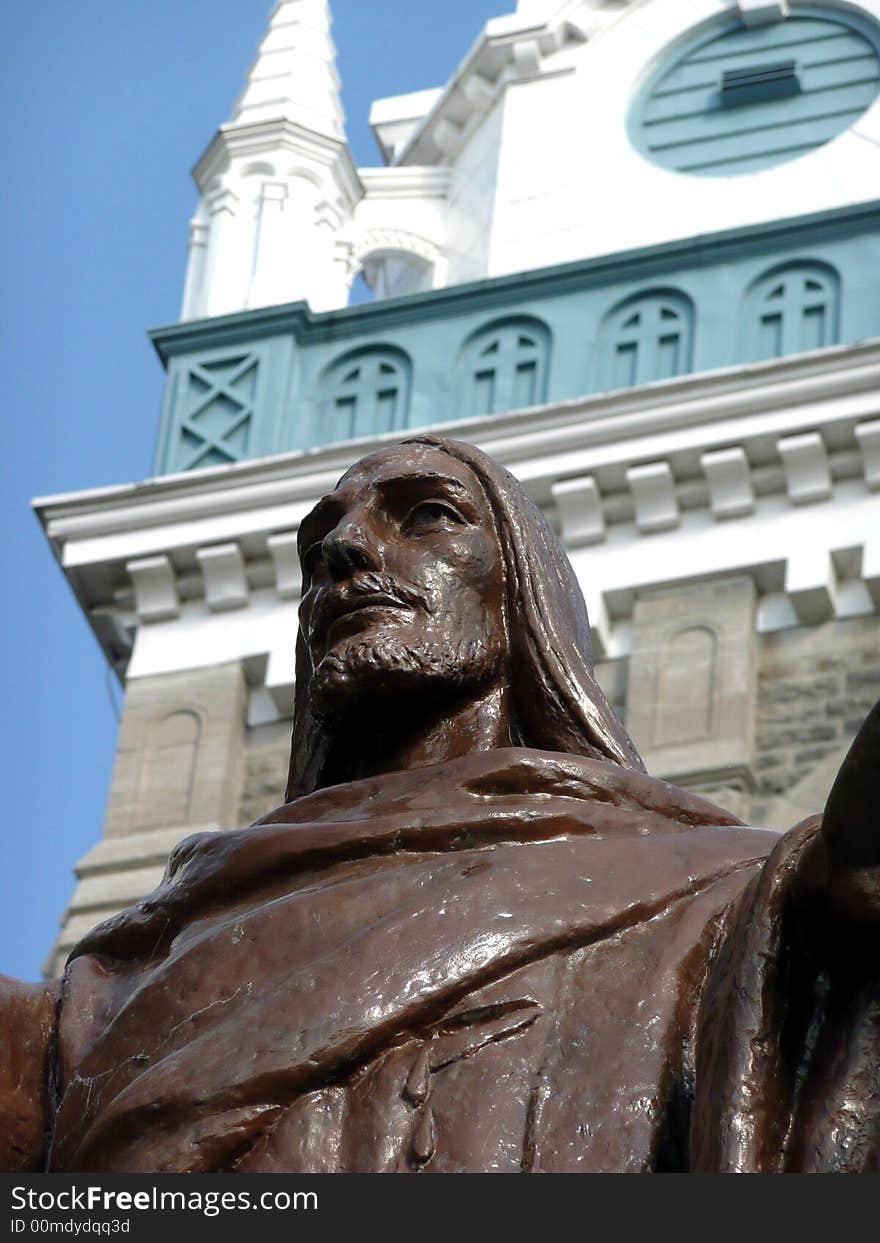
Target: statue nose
347 549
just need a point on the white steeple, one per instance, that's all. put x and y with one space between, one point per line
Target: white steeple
294 74
278 182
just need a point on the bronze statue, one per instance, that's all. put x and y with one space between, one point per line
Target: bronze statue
477 936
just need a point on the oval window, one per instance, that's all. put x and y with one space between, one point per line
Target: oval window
740 99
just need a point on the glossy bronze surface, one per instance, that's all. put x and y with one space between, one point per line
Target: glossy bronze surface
477 936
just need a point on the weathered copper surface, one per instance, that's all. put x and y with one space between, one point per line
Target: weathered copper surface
477 936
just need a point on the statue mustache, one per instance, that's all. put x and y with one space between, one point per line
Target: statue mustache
359 591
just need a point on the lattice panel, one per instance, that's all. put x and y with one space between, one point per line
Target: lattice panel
218 410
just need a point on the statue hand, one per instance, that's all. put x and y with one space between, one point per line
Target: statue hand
844 859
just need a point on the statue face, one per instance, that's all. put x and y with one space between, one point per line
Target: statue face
405 584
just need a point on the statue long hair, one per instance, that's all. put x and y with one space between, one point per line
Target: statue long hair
557 703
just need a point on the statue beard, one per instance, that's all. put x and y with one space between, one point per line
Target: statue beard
370 670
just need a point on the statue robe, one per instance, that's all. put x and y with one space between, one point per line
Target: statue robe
519 960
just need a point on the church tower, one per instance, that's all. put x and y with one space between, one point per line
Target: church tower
278 185
630 250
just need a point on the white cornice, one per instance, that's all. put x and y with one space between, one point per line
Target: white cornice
406 181
283 135
822 387
509 49
735 468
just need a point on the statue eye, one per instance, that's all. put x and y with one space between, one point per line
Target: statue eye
431 514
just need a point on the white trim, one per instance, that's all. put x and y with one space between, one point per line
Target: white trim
737 471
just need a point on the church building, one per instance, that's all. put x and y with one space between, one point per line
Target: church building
631 250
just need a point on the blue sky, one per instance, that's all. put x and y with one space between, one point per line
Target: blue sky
108 103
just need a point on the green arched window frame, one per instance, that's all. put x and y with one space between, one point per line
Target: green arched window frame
792 308
366 392
504 366
647 337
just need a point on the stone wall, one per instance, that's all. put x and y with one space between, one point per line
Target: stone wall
267 750
690 705
815 688
178 770
809 689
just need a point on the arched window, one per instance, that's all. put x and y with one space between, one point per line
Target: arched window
366 392
791 309
647 337
504 367
685 687
168 768
396 274
396 262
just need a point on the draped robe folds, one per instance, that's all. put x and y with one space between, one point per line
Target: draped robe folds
519 960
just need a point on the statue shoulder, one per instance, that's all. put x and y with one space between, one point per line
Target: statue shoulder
27 1012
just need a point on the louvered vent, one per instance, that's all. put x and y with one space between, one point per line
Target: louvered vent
759 84
743 99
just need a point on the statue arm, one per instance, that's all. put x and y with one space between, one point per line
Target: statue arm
787 1048
27 1020
841 868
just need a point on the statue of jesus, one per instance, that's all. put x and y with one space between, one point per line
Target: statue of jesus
476 936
